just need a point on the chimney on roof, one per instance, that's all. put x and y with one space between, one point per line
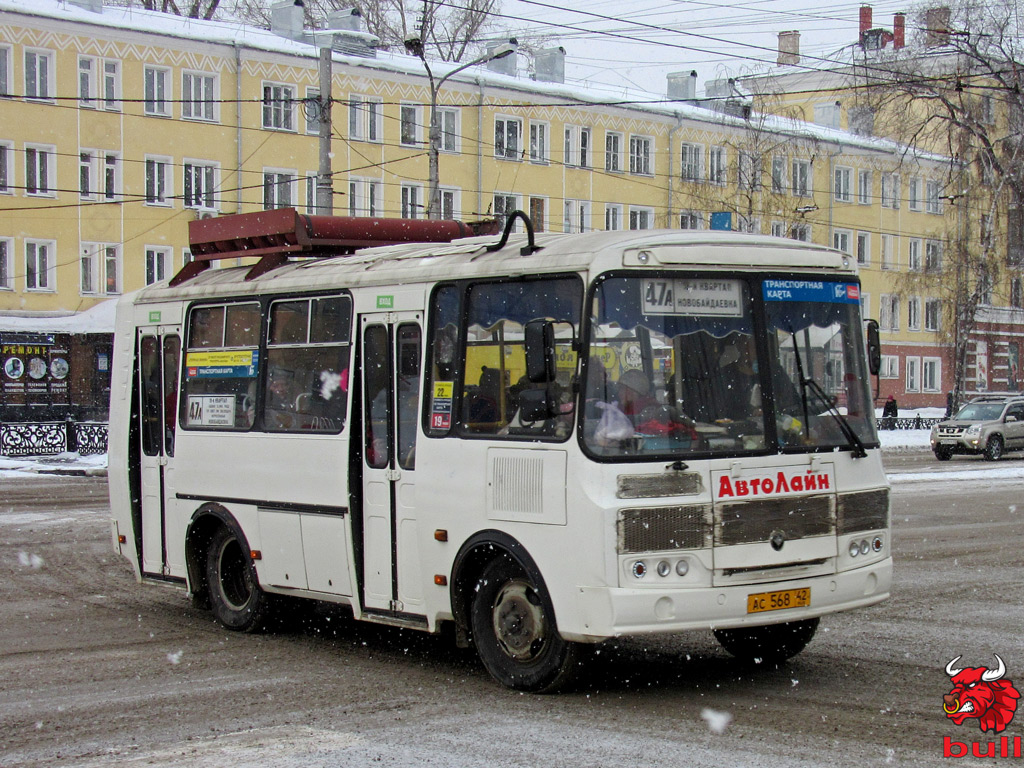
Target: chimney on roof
936 22
682 86
549 65
506 65
287 18
96 6
899 31
789 48
865 20
349 19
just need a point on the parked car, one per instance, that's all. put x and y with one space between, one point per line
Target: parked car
990 425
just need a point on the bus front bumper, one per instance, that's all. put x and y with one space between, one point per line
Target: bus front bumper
617 612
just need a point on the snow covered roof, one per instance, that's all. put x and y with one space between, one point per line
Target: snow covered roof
98 319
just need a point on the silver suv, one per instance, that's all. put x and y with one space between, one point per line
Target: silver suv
990 425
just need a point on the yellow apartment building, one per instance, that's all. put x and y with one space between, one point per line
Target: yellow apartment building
118 127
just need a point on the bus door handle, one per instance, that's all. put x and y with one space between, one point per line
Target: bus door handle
393 475
163 460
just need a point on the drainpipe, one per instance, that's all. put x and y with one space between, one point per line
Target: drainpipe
480 148
671 172
238 128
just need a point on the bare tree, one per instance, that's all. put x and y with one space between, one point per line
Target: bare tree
193 9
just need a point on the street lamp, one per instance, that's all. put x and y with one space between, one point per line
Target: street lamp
414 45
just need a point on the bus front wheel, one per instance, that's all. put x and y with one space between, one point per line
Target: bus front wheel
514 631
235 595
771 644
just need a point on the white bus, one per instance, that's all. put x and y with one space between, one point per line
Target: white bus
546 442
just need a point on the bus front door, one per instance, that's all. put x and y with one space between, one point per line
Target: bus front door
159 356
391 370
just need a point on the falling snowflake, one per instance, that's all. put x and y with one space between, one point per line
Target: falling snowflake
175 657
717 721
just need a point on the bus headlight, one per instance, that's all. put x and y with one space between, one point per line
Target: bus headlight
639 569
664 568
682 568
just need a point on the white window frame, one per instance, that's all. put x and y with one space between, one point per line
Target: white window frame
366 196
410 132
540 132
6 261
718 165
205 108
864 184
159 173
109 164
614 146
450 202
508 137
208 173
155 255
913 379
87 94
914 254
914 193
779 163
309 189
503 204
274 181
778 228
576 216
87 164
40 160
931 374
278 106
110 78
449 121
914 313
890 367
39 80
800 177
311 111
932 315
578 149
800 231
691 162
102 261
932 256
6 72
891 191
932 200
690 217
641 155
7 178
48 284
863 248
413 202
889 312
157 90
865 304
748 170
890 252
641 217
613 217
842 240
842 184
364 118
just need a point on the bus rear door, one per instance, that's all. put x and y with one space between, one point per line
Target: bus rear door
391 370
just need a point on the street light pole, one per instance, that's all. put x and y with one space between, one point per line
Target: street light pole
416 48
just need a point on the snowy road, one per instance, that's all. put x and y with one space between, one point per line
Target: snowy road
98 670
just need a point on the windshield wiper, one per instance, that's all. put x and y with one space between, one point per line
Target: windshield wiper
855 444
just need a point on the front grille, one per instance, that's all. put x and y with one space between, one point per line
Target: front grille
951 431
865 511
655 529
749 522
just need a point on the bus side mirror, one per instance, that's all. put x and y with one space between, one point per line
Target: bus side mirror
540 351
874 348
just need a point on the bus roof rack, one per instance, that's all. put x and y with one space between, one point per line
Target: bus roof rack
275 235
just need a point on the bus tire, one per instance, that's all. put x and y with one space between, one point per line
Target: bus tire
513 625
771 644
235 595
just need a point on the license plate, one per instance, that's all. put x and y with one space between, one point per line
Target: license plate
948 441
776 601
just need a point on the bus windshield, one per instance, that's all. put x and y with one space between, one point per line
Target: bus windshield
680 366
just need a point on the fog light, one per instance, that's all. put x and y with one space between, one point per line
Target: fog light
854 549
876 543
639 569
864 547
682 567
664 569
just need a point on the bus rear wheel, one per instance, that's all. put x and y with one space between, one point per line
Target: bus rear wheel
514 631
235 595
771 644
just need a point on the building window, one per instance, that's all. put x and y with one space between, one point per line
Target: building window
158 260
158 178
157 91
841 240
931 374
717 165
576 216
690 220
841 188
1016 293
100 269
111 85
278 107
691 162
507 136
309 185
891 191
932 201
200 184
913 374
889 314
538 213
889 252
864 187
86 189
863 248
538 142
198 96
504 205
448 118
890 367
410 125
801 232
640 155
87 82
277 189
612 217
6 168
38 75
364 118
932 316
914 194
932 256
412 208
449 199
613 151
577 146
40 270
914 314
801 177
6 270
311 107
749 170
111 176
984 288
778 229
364 197
914 254
641 218
39 170
865 304
779 173
5 70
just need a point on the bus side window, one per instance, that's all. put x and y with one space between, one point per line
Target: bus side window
443 370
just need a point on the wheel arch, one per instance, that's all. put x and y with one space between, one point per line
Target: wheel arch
474 555
204 523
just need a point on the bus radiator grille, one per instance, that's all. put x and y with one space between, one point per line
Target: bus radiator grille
656 529
751 522
864 511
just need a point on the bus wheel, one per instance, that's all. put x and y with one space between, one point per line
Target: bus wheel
235 596
514 631
772 644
